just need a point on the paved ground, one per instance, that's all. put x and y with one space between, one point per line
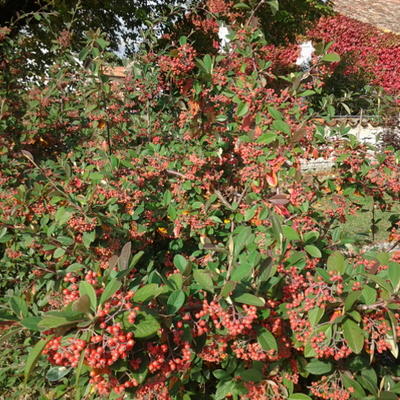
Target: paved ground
384 14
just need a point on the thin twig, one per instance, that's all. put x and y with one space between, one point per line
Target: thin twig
366 307
29 156
176 173
254 11
242 195
223 200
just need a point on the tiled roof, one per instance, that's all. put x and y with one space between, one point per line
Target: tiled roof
384 14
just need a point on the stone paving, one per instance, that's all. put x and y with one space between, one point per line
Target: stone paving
384 14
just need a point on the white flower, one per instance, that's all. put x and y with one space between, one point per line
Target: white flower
307 50
223 35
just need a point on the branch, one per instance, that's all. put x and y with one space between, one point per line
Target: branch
366 307
254 11
176 173
223 200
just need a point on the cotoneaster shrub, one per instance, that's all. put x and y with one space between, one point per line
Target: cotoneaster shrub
159 239
371 52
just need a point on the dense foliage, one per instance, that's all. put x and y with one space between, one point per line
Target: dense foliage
123 20
368 51
369 59
159 238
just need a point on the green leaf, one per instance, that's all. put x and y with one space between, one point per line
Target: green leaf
180 263
34 355
249 214
59 252
351 298
18 305
208 63
250 375
243 237
31 323
62 216
275 113
318 367
385 395
4 316
281 126
383 258
224 388
315 315
65 240
348 382
242 271
371 375
221 374
221 118
74 267
368 295
313 251
310 237
242 5
109 290
391 337
54 374
242 110
141 373
216 219
336 262
274 5
56 321
394 275
250 299
299 396
82 305
367 384
167 198
145 325
171 212
277 228
175 301
267 340
177 280
353 335
203 278
267 138
228 288
381 282
88 238
85 288
306 93
355 315
135 259
290 233
146 293
331 57
102 43
78 370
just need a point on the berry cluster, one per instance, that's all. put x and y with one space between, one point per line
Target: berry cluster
104 382
236 323
162 361
330 388
104 350
67 354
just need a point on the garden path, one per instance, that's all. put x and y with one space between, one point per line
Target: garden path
384 14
